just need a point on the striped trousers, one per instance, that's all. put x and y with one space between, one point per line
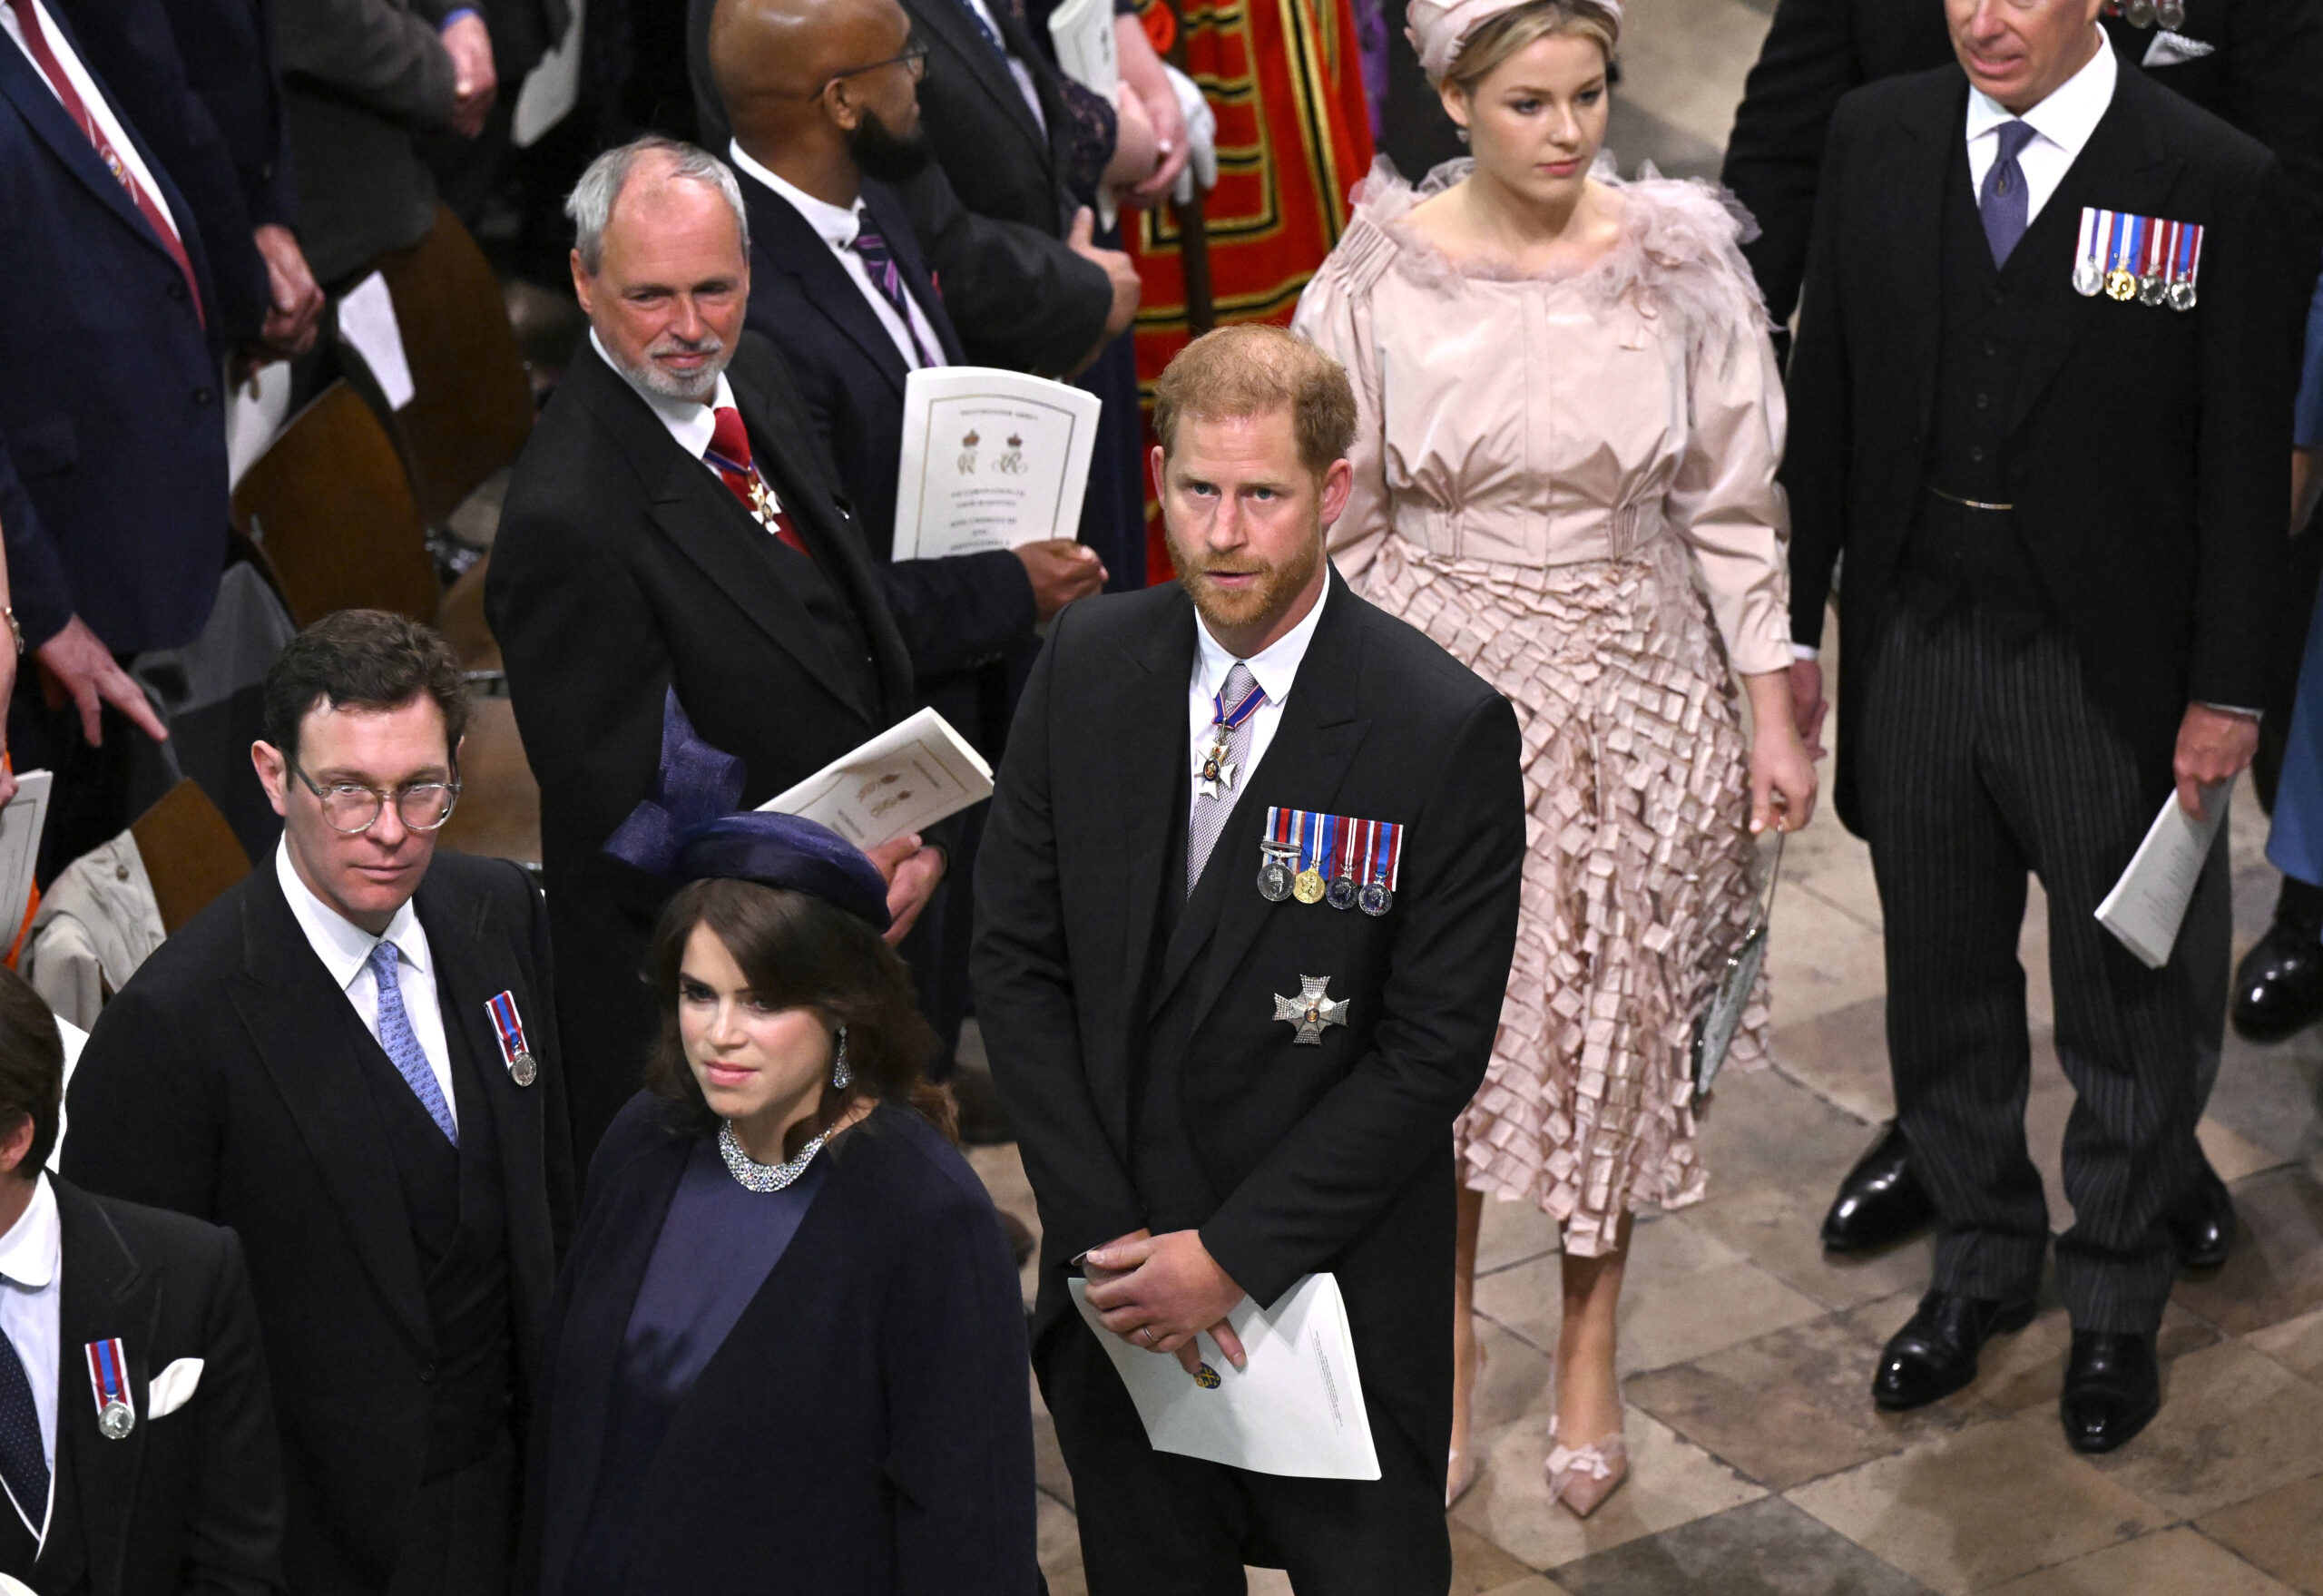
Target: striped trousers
1983 759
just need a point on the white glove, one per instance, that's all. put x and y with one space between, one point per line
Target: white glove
1201 137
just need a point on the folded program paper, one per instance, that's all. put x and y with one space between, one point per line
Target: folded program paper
1296 1409
990 459
903 780
2148 904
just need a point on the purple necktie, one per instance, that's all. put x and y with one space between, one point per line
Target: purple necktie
2003 203
889 278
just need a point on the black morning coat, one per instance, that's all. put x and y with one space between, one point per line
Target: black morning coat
623 568
863 1430
2144 455
191 1500
1335 1157
226 1081
2255 63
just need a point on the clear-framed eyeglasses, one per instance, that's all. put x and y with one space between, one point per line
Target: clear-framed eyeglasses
350 808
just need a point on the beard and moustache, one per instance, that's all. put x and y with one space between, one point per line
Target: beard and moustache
885 156
1229 610
698 385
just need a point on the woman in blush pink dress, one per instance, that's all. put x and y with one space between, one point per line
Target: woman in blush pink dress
1570 422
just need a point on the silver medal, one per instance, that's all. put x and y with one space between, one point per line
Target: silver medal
2088 279
523 1070
116 1421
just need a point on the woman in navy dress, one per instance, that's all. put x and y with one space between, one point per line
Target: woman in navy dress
787 1352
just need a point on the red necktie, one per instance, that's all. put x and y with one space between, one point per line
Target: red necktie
37 45
730 456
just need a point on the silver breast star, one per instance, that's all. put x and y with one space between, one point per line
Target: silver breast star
1214 776
1311 1010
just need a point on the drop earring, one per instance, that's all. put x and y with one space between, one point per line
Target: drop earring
841 1076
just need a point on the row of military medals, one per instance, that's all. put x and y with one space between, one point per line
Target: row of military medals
2140 257
2145 13
1364 857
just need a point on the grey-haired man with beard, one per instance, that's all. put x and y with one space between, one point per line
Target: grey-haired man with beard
674 537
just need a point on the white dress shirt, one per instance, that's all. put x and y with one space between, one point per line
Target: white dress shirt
344 949
689 421
838 226
1276 668
90 96
2061 125
32 1270
1016 69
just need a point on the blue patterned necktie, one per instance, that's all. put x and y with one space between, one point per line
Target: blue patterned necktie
2004 202
24 1462
887 277
402 1044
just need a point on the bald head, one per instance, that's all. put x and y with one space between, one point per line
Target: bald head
822 92
763 50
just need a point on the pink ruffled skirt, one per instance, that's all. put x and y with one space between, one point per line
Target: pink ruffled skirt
1638 872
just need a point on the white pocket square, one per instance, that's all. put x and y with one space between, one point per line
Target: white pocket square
172 1387
2169 49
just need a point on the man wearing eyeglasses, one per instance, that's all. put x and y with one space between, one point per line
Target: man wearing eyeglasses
351 1058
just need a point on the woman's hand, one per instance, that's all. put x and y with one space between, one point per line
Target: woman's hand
1782 777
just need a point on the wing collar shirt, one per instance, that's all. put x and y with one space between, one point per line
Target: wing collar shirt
1276 668
32 1268
838 226
2061 125
90 96
344 949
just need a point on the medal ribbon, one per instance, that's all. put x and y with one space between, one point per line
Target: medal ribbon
2113 245
1378 865
505 1020
108 1373
1325 842
2151 253
2191 242
1225 720
1343 856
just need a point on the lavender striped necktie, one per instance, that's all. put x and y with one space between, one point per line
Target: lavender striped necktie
2005 206
887 277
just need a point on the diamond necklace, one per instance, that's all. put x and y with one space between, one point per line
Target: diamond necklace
756 1176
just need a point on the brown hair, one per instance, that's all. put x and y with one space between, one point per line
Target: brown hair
798 952
1511 32
1252 368
32 1067
370 659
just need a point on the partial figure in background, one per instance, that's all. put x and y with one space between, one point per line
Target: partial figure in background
1571 418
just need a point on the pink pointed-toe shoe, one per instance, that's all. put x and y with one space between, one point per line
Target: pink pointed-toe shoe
1581 1477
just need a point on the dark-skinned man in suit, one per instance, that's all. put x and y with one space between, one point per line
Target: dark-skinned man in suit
1218 1090
2052 620
2254 63
674 533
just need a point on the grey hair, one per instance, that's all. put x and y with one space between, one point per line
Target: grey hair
591 202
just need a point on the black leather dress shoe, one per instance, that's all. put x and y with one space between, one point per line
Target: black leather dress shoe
2113 1388
2279 985
1881 1201
2201 1223
1934 1354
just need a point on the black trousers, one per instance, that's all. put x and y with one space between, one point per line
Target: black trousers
460 1537
1984 758
1153 1523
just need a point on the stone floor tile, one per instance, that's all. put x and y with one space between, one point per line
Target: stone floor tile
1839 1054
1834 864
2027 1369
1686 1294
1985 1504
1684 61
2277 1532
1530 1585
1002 1170
2174 1561
2296 1344
1793 1406
2234 1425
1765 1548
1513 1233
1819 957
2276 1270
2231 1153
1672 1482
1776 1152
2269 1094
1060 1547
1478 1566
1267 1582
1513 1381
1636 136
1048 1461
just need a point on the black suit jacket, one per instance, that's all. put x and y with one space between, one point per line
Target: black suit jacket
956 613
191 1500
872 1393
1337 1156
223 1082
113 454
2145 447
623 569
2267 58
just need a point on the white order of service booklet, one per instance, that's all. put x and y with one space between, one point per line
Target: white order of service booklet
903 780
1296 1409
2148 904
991 459
20 823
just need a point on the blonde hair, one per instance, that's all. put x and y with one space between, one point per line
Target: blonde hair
1251 369
1499 38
